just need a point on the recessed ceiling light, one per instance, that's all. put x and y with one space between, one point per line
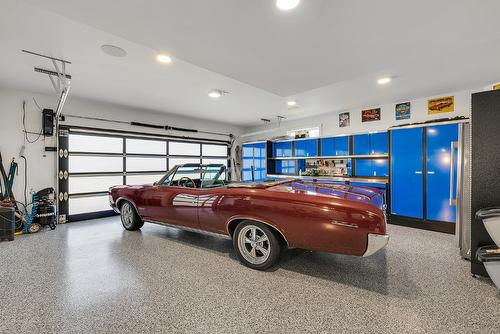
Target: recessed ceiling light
217 93
292 103
383 81
287 4
113 50
164 58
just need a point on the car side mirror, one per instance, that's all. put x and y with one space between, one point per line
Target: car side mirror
155 183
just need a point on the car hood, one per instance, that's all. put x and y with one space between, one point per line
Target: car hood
354 193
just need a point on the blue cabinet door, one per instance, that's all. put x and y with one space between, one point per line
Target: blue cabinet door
406 177
379 143
361 144
247 162
372 167
380 167
260 161
306 148
363 167
342 145
254 162
335 146
285 167
282 149
438 164
327 146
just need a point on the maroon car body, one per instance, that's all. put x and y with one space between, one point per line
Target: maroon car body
316 216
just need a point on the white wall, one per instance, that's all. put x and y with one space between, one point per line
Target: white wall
329 123
41 164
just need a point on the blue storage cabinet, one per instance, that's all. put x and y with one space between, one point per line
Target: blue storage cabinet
372 167
407 184
342 145
306 148
334 146
408 179
254 162
379 143
282 149
327 146
373 143
361 144
438 166
285 167
247 152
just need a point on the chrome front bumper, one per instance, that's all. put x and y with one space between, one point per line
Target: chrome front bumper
375 243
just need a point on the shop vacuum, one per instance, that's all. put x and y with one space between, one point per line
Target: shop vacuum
490 255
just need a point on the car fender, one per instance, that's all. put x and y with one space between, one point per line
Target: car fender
124 198
258 219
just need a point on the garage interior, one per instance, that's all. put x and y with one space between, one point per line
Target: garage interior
339 103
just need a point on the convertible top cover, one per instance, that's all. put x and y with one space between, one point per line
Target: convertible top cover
260 185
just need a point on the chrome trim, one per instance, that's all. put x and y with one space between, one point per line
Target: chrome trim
333 157
189 229
453 146
261 185
339 223
257 220
422 125
375 243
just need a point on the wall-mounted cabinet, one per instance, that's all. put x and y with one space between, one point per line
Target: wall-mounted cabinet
334 146
372 143
282 149
306 147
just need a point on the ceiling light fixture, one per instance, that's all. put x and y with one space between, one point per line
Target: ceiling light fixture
217 93
287 4
291 104
113 50
164 58
384 81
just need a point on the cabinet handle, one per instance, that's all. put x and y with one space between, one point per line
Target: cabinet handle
431 172
453 145
418 172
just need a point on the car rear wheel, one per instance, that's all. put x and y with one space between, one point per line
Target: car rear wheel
130 219
256 245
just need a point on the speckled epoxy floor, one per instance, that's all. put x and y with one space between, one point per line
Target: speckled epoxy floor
94 277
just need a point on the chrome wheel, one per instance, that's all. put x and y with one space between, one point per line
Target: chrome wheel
127 215
253 244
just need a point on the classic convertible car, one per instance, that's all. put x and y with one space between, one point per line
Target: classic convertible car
262 219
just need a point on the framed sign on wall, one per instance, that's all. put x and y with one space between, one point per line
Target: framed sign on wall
370 115
441 105
403 111
344 119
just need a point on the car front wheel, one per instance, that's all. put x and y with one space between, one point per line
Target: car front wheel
256 245
130 219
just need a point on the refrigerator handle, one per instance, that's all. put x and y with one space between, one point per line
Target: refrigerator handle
453 146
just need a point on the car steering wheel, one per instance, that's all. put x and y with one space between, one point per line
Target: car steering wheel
184 181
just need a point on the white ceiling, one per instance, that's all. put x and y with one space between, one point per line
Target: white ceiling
326 54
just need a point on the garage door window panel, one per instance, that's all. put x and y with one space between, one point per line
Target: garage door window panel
95 164
146 146
95 144
145 164
88 184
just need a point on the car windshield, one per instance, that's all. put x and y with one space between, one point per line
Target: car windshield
196 176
